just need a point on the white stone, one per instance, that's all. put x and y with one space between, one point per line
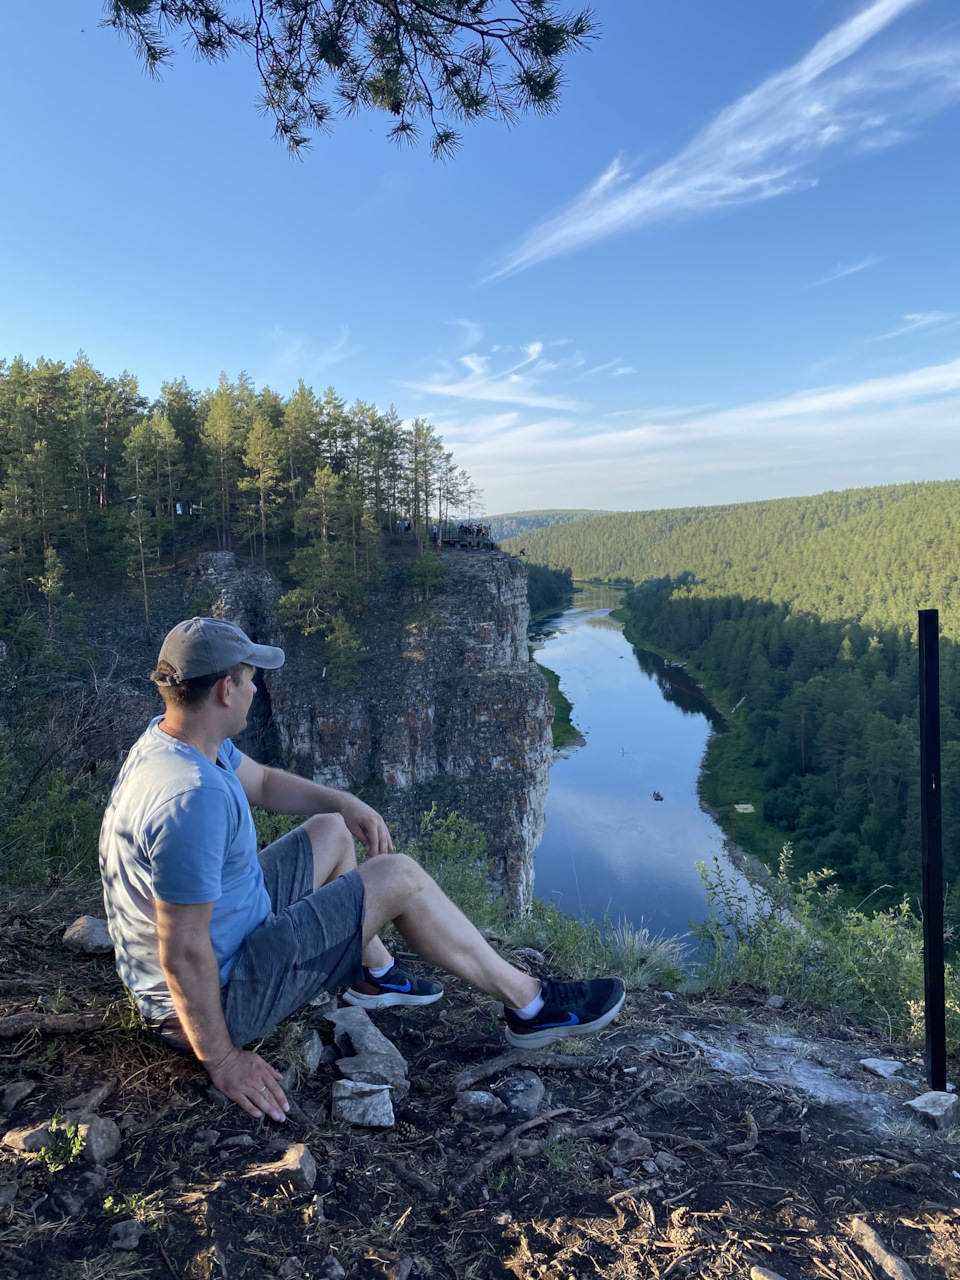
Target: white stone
296 1168
32 1138
89 934
310 1052
377 1068
126 1234
93 1098
937 1108
356 1034
15 1093
669 1163
368 1105
101 1139
882 1067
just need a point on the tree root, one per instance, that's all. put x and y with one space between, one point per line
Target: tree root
753 1134
530 1058
53 1024
504 1148
870 1242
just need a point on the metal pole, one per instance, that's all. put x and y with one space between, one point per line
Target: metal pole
931 843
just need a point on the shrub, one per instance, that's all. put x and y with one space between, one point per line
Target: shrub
796 939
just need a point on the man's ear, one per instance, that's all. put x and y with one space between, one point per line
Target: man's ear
223 691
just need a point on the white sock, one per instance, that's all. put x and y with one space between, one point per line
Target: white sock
530 1010
381 970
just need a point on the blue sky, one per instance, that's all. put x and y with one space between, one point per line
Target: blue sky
726 269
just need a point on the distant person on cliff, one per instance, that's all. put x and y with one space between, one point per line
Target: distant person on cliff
218 945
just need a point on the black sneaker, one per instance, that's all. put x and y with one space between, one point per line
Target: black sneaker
569 1009
397 986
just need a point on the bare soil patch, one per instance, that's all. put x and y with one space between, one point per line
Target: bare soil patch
747 1170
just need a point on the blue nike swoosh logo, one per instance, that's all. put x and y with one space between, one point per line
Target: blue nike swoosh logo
395 986
571 1020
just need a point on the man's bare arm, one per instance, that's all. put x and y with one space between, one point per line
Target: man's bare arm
283 792
193 977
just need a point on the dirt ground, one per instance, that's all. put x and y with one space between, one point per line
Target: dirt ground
748 1170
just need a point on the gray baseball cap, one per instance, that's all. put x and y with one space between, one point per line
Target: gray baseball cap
202 646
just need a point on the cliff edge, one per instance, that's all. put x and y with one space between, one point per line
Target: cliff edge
446 708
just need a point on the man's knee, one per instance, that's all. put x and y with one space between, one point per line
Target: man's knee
394 874
328 834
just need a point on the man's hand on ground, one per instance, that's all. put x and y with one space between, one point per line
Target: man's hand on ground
366 825
250 1082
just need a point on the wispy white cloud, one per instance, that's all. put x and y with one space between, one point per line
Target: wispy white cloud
840 271
877 430
520 383
763 144
917 320
297 355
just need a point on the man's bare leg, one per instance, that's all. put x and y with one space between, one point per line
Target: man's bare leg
398 889
334 854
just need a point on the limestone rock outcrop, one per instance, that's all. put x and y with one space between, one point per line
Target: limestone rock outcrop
448 708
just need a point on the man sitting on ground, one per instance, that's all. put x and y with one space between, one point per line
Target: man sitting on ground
218 945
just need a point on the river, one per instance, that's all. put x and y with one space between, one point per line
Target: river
609 846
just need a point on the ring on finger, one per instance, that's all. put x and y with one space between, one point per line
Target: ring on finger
263 1089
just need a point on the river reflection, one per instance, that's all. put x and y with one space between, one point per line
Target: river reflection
609 845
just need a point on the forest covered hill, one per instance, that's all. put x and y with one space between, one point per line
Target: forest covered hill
800 616
874 555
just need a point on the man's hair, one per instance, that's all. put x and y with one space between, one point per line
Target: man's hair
190 693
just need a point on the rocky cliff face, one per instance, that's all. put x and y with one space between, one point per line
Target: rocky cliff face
447 709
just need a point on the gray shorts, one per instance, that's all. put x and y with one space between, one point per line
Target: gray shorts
310 942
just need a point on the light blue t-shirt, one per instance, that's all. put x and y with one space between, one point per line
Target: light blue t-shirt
177 828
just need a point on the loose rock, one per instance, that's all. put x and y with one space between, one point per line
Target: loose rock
310 1052
668 1162
101 1139
377 1068
126 1234
522 1094
88 934
478 1104
368 1105
882 1067
330 1269
93 1098
238 1140
297 1169
15 1093
629 1146
355 1033
936 1108
75 1195
290 1269
31 1138
775 1002
8 1193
